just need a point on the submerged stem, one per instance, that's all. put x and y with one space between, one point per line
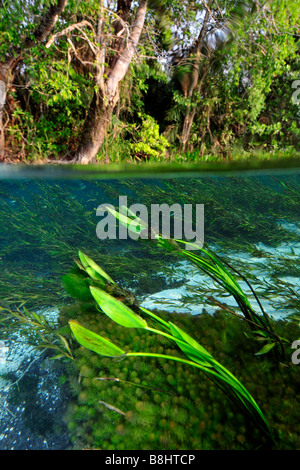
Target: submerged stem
241 396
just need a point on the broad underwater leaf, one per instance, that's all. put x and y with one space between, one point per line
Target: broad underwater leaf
116 310
94 342
77 287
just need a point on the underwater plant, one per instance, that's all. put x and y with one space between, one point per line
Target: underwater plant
39 331
197 355
211 265
50 221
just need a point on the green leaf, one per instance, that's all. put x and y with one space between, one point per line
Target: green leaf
116 310
192 349
87 263
96 276
260 332
220 272
65 343
57 356
135 224
77 287
135 218
79 264
265 349
94 342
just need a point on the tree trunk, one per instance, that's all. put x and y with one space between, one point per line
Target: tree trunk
194 79
187 126
5 81
94 129
3 93
103 103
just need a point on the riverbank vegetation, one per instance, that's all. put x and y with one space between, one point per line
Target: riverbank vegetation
158 80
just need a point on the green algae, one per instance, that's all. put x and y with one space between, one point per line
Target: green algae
177 410
143 348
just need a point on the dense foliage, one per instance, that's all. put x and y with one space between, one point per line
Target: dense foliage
208 80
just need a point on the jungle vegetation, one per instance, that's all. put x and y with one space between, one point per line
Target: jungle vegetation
163 80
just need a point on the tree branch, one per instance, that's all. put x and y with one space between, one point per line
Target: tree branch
120 69
68 30
47 22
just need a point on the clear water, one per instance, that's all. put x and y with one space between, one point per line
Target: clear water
252 221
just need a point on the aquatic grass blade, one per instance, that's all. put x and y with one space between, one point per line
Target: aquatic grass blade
79 265
91 267
222 273
217 269
182 335
222 375
129 222
134 217
155 317
265 349
116 310
95 275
